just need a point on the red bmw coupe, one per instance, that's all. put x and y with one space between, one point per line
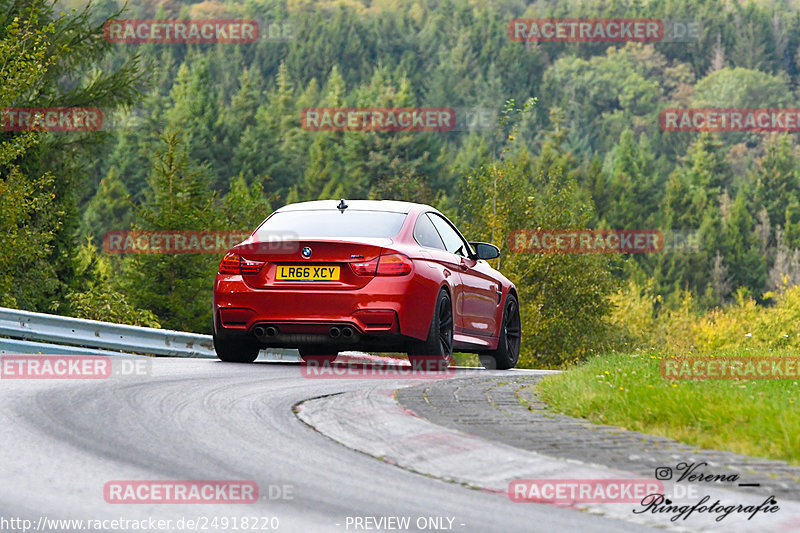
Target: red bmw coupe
328 276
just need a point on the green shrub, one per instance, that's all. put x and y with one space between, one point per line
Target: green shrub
563 297
747 325
640 318
109 306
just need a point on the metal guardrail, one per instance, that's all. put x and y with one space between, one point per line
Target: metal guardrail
55 334
26 325
16 347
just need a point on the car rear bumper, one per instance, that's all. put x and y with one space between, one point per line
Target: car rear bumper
386 311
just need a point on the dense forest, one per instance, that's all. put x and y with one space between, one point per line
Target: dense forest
551 135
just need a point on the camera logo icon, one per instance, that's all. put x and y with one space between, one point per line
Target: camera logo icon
663 473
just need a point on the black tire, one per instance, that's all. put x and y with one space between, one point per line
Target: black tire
317 354
508 345
437 350
233 350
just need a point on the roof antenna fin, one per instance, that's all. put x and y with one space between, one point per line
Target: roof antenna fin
342 206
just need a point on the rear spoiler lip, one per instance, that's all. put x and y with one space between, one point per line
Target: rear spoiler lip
292 246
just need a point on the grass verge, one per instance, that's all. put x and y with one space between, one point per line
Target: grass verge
753 417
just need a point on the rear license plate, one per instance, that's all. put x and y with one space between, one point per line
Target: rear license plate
307 273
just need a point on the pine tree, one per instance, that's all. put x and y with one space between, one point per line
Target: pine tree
326 169
375 156
691 204
176 287
275 146
246 206
109 209
240 115
740 248
42 174
632 183
776 179
195 110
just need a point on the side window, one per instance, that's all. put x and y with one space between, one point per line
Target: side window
452 241
426 234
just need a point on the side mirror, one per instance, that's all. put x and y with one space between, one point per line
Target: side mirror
484 250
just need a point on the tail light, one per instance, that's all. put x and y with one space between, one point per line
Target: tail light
232 263
229 264
248 266
365 268
385 265
394 265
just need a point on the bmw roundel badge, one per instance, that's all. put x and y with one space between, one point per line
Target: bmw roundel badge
306 252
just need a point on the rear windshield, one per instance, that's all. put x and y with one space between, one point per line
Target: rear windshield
332 224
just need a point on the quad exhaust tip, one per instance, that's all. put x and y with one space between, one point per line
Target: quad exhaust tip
345 332
268 331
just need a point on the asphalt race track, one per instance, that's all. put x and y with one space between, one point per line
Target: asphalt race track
63 440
